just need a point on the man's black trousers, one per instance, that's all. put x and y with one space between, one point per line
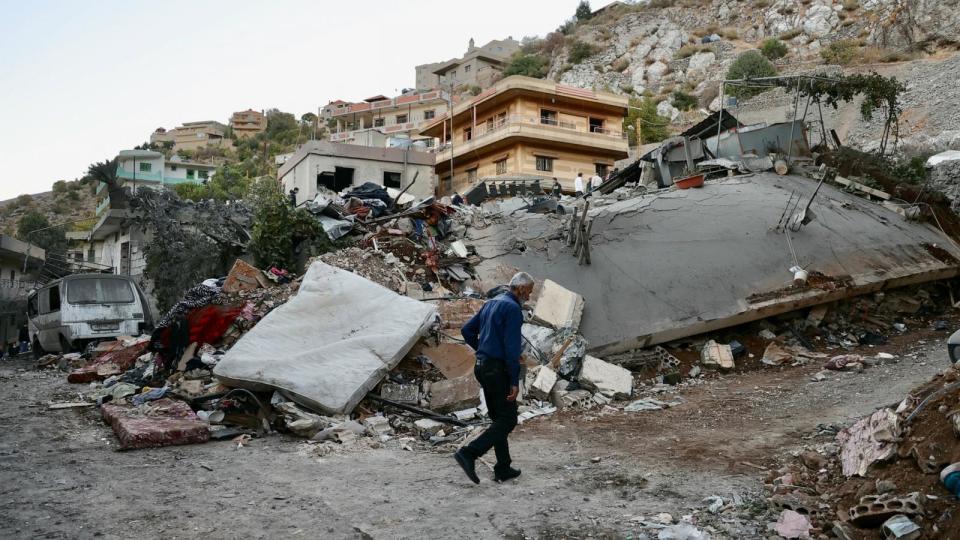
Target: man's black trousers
493 378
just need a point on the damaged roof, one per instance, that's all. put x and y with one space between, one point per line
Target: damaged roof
683 262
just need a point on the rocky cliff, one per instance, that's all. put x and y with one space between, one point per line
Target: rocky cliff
657 47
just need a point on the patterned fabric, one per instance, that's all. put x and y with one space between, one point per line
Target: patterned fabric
199 296
164 422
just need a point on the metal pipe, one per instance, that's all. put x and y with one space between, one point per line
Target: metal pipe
793 124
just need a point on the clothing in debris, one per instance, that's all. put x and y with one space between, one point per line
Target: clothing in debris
496 384
457 200
198 296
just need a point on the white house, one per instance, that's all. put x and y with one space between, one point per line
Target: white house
338 166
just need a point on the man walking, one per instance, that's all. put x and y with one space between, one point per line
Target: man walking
494 333
578 185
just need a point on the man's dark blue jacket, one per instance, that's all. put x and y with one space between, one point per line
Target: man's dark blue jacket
494 333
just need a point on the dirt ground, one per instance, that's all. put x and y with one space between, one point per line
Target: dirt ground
584 474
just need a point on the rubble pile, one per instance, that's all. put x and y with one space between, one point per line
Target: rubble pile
892 474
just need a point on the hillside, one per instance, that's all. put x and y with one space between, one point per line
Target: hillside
68 202
676 52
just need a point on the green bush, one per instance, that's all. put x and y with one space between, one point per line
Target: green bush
683 101
580 51
773 49
73 195
60 186
583 12
620 64
840 52
528 65
790 34
643 114
749 65
278 228
690 50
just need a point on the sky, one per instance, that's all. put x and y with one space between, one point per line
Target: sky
80 81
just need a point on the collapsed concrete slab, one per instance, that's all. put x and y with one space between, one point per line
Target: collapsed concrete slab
454 394
540 381
330 344
674 264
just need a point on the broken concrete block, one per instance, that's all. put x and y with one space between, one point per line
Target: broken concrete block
540 381
871 439
816 315
243 277
455 313
378 425
163 422
403 393
459 249
716 355
873 510
558 307
452 359
792 525
455 394
606 378
575 399
466 414
427 427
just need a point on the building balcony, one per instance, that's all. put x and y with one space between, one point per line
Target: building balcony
16 289
536 128
104 204
400 101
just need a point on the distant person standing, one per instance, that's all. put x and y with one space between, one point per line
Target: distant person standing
595 182
578 184
24 338
557 188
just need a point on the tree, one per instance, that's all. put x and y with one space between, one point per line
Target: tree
653 127
278 228
229 183
308 118
60 186
34 228
749 65
773 49
583 12
528 65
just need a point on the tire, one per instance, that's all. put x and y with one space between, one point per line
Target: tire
65 346
38 351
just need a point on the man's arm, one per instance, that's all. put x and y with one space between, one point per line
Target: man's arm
471 331
512 343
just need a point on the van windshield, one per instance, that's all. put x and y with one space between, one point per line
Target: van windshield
99 291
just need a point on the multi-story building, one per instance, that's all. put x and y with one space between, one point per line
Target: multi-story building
148 169
529 128
247 123
376 119
19 264
334 166
191 135
479 66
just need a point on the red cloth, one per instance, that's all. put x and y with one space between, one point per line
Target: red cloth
208 323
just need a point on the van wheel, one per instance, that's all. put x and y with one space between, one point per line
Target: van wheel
65 346
38 351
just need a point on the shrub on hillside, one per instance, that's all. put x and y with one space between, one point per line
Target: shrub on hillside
580 51
773 49
683 101
840 52
529 65
749 65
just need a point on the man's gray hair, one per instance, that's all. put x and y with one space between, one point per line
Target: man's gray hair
520 279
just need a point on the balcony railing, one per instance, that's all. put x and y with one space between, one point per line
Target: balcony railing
495 126
386 103
15 288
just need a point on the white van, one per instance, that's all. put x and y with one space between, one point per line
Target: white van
67 314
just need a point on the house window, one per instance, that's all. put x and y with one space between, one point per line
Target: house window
602 170
502 166
91 254
145 167
428 115
596 125
544 163
378 122
190 174
467 134
13 275
173 167
466 69
391 179
548 117
204 175
490 124
54 299
447 184
472 175
401 119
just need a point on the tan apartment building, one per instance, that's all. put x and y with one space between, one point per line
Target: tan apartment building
247 123
533 129
479 66
374 120
191 135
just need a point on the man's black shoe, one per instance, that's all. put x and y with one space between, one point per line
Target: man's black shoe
468 465
508 474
